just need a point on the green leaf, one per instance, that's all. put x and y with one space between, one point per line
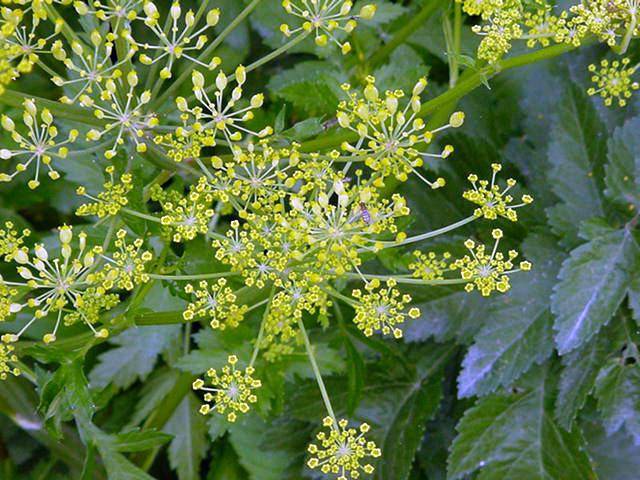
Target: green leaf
634 295
519 331
189 444
618 393
134 356
152 393
615 457
402 72
139 441
261 461
578 377
576 152
312 87
118 467
623 169
355 374
514 435
403 436
593 283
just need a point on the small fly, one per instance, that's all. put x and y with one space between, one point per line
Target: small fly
366 216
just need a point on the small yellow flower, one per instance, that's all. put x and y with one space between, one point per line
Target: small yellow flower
613 81
342 451
382 309
111 200
231 392
428 266
493 201
126 268
11 240
216 301
487 272
325 19
7 357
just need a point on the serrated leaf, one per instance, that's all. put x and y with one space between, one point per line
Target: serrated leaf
623 170
402 71
119 468
593 283
153 392
518 333
618 393
189 444
402 412
515 436
578 378
576 153
312 87
615 457
134 356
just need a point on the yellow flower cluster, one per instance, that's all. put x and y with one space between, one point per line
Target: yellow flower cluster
111 200
8 357
382 309
184 217
74 286
391 132
494 202
216 301
613 81
37 145
488 272
231 391
11 240
428 266
326 19
342 450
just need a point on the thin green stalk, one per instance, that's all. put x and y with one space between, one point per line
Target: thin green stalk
316 372
431 234
407 280
202 276
169 92
265 316
144 216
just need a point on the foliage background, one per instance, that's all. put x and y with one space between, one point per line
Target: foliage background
541 383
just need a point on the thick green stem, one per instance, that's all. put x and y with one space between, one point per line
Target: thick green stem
265 316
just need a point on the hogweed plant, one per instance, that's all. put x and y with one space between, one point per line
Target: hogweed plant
295 230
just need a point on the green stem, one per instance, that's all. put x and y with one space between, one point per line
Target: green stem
265 315
408 280
316 372
431 234
144 216
401 35
169 92
201 276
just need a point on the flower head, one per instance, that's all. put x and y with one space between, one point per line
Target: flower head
231 392
38 146
392 137
381 309
220 112
216 301
488 272
11 240
325 18
110 200
126 267
494 202
342 450
428 266
613 81
7 357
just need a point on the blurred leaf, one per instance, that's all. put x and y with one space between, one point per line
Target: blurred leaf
623 169
139 441
189 445
618 393
593 283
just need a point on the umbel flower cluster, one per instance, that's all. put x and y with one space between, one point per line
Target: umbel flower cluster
290 225
539 22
